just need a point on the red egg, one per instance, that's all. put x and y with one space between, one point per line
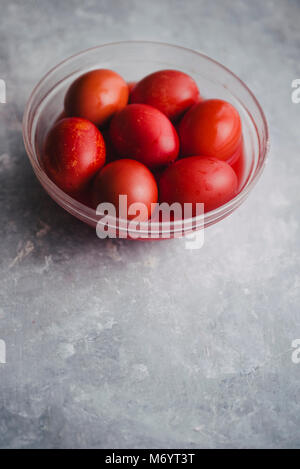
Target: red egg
198 179
74 151
170 91
125 177
211 128
96 96
143 133
131 85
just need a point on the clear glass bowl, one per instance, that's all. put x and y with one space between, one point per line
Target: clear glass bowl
133 60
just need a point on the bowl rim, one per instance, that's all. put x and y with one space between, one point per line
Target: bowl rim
90 213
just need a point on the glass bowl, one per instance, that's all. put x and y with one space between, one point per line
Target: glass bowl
133 60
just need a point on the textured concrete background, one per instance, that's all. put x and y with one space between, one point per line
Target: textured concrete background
129 345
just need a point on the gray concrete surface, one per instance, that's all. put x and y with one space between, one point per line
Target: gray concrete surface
130 345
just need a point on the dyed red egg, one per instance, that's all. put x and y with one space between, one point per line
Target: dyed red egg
96 96
125 177
131 85
170 91
211 128
74 151
143 133
198 179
